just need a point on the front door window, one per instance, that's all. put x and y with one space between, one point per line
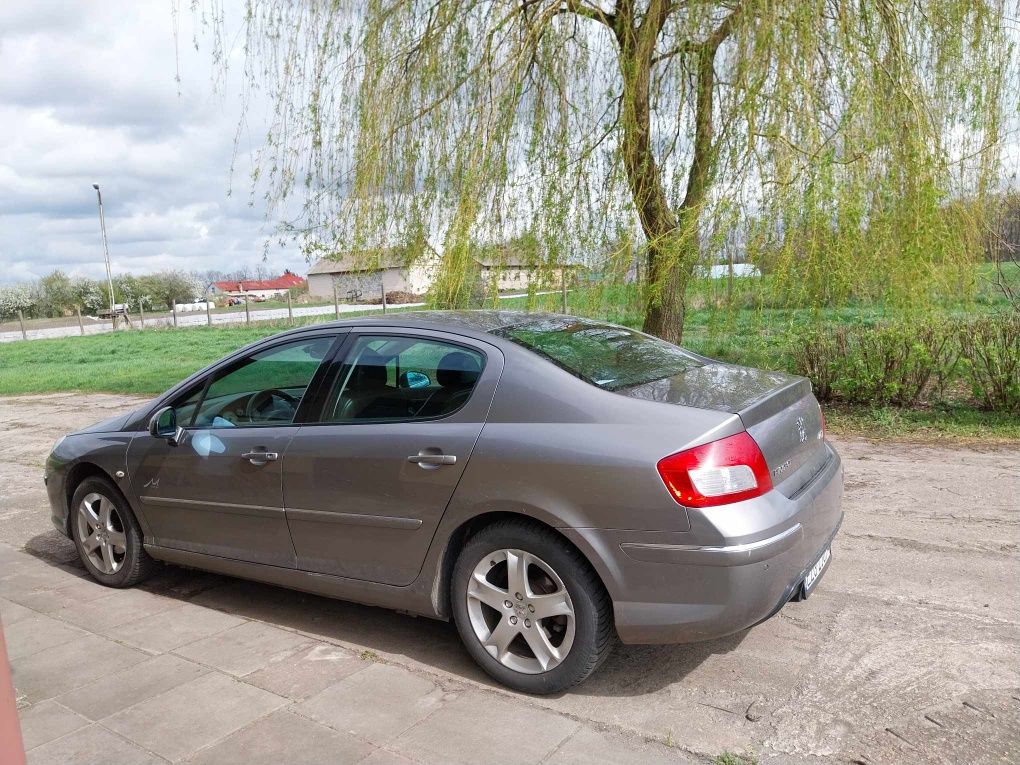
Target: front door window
264 389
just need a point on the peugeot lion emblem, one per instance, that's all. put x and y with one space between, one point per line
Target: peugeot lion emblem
801 430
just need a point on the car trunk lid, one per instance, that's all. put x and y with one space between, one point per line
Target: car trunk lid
777 409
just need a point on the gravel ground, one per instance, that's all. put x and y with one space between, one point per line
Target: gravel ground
909 651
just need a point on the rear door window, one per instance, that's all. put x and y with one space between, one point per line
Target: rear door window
393 377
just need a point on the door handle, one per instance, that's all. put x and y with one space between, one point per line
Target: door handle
432 460
259 458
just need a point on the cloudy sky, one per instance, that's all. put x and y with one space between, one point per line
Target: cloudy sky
89 95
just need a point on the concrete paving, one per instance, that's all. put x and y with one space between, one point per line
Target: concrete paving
909 651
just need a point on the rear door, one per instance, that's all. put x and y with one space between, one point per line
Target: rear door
366 486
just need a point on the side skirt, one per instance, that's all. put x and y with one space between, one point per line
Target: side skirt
409 599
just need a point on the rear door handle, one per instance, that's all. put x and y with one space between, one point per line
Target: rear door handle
260 458
432 460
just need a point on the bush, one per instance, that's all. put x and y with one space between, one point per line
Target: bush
900 363
990 348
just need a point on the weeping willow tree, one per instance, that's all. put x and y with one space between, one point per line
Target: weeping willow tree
824 137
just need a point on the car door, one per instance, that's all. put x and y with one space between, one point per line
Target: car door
366 486
218 488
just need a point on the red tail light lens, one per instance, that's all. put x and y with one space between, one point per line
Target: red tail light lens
716 473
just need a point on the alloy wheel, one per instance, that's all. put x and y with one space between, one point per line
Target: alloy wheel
101 533
520 611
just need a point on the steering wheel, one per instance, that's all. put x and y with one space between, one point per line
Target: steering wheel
263 397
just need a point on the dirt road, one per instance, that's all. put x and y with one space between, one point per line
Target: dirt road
909 651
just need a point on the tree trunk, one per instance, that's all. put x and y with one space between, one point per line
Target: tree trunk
673 245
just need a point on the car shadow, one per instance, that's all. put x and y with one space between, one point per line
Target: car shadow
390 635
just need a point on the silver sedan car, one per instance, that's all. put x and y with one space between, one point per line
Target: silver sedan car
551 484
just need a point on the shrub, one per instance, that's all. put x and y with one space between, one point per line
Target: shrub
990 348
901 363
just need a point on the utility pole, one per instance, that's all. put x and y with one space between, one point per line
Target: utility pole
106 251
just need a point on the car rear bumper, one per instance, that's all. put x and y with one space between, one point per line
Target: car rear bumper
739 565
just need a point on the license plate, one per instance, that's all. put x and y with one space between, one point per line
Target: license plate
811 578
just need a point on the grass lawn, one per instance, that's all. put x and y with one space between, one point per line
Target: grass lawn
148 362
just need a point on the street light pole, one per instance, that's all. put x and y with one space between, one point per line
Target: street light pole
106 249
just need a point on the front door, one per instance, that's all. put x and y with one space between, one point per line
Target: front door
366 486
219 489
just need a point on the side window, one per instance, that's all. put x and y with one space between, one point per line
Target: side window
263 389
402 378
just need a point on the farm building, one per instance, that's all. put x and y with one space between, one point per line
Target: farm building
363 276
264 288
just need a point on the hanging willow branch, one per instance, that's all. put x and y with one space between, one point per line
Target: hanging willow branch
824 138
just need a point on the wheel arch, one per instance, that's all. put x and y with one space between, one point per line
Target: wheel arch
76 474
468 528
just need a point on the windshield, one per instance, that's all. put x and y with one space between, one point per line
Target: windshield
605 355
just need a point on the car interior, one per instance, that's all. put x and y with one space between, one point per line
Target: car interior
402 378
381 378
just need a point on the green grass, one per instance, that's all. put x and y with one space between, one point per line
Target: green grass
955 424
118 362
150 361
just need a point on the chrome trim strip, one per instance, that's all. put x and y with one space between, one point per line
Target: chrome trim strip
263 511
715 555
736 549
353 519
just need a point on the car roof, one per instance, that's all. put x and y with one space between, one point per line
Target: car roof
479 323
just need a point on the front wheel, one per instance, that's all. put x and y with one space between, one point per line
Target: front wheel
108 538
529 608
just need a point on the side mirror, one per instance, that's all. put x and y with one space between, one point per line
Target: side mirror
164 425
414 380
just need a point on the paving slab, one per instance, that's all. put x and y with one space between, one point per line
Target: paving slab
481 726
384 757
284 737
90 746
308 672
55 671
117 607
38 633
70 594
244 649
120 690
192 716
12 613
593 747
174 628
46 721
377 704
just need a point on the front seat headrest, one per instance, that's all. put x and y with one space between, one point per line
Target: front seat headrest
457 370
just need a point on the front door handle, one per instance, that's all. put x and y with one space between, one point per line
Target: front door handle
260 458
425 459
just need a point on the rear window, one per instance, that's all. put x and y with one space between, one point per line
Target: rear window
605 355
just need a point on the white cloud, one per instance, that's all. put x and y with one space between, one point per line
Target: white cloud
89 94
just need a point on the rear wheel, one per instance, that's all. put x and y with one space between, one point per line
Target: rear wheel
529 609
107 536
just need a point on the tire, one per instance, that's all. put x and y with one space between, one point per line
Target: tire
100 513
575 636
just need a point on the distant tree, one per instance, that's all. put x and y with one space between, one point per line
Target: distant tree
568 118
169 287
133 291
89 294
56 294
14 298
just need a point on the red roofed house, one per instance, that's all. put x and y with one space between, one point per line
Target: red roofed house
258 287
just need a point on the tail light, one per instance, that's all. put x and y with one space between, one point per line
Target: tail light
821 415
716 473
